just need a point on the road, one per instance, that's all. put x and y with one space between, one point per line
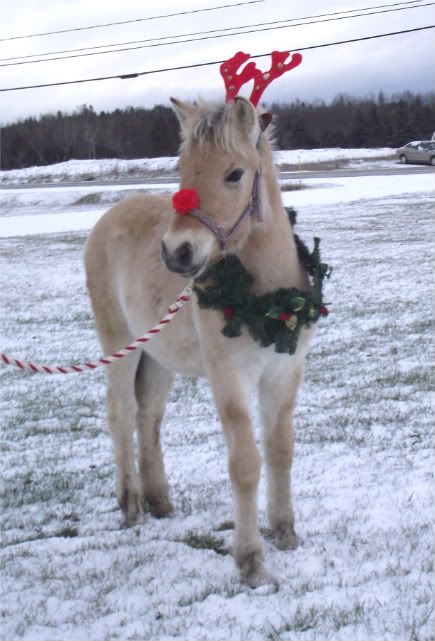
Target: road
285 175
348 173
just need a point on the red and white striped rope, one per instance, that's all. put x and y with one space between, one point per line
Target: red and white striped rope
182 299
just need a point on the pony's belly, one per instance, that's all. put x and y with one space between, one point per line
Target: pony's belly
177 348
172 360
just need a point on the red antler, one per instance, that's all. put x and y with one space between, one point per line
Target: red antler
278 67
233 81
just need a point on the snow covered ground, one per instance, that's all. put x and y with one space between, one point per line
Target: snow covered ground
19 205
89 170
115 168
363 460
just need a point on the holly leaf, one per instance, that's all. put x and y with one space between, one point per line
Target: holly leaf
324 270
274 312
313 313
292 323
297 303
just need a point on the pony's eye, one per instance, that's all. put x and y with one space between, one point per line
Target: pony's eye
234 176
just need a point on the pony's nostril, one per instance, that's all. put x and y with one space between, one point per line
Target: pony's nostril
163 251
181 260
183 255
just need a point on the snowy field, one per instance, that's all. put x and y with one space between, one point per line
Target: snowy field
115 168
363 459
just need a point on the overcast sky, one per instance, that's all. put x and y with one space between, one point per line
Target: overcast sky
389 64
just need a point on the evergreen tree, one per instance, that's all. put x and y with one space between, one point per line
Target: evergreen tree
140 133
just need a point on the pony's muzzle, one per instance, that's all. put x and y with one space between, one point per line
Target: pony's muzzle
181 260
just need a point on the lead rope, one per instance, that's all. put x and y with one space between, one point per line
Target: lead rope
182 299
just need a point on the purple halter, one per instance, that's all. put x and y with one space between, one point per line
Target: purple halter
224 236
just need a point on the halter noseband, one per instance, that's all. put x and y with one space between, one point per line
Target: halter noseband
224 236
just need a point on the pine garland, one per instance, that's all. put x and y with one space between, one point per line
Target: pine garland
273 318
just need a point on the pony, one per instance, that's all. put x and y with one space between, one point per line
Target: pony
138 257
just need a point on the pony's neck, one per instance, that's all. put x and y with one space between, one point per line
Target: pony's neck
270 253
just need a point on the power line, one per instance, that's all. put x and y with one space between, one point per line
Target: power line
210 63
201 33
262 28
111 24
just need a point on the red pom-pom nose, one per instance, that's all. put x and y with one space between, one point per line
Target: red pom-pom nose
185 200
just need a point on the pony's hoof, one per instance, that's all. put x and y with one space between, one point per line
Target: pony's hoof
254 575
285 538
131 508
161 507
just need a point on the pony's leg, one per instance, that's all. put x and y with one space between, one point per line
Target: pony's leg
114 334
277 395
232 402
121 410
153 383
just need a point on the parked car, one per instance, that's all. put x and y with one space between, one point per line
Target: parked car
420 151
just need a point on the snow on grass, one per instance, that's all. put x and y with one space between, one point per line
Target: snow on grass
337 155
112 168
363 464
323 191
90 170
16 201
21 207
23 225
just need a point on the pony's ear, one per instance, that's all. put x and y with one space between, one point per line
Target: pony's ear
245 114
265 120
184 111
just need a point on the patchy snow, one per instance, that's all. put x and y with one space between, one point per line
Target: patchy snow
363 468
89 170
321 191
333 154
19 205
20 201
115 168
387 163
23 225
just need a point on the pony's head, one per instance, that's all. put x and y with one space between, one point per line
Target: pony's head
220 166
219 159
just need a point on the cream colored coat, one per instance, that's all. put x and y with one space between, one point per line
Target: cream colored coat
131 288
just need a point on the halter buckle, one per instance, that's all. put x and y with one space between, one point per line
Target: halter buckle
221 233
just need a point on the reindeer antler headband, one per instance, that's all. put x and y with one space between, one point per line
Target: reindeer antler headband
233 80
186 201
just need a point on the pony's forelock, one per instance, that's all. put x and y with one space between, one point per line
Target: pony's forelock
213 125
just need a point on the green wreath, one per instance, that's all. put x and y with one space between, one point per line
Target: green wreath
273 318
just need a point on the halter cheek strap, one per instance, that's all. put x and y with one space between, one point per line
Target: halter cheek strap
223 235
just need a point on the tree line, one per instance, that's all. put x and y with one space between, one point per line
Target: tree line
145 133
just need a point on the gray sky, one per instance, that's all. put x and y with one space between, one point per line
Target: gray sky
389 64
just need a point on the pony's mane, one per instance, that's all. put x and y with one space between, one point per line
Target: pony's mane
212 124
